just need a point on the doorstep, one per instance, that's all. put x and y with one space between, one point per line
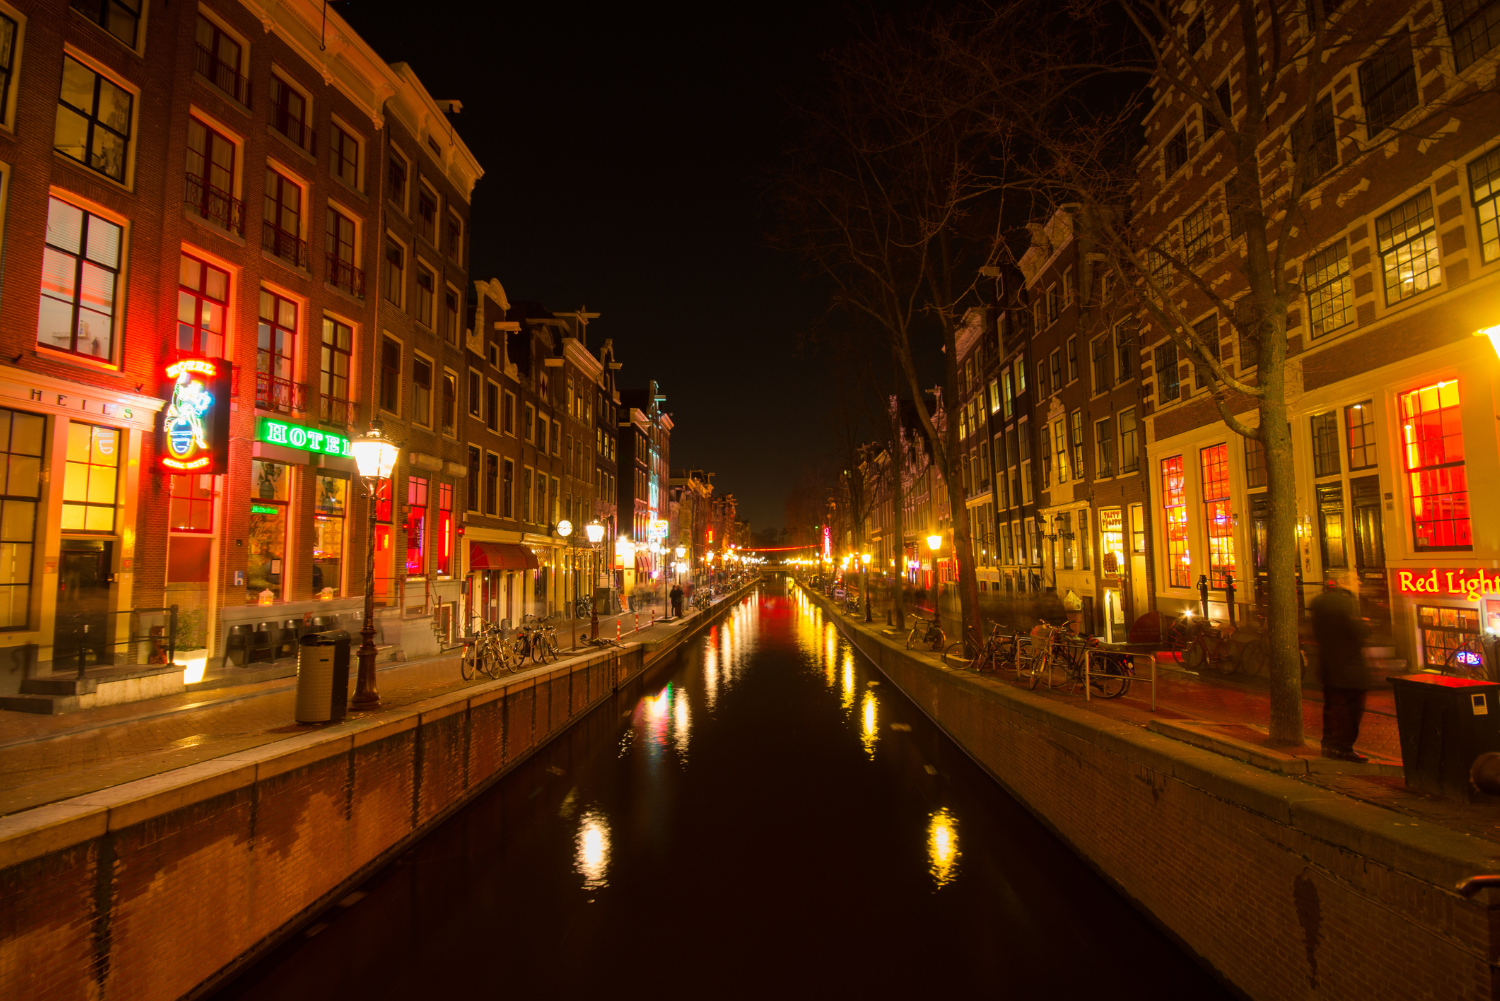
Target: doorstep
100 687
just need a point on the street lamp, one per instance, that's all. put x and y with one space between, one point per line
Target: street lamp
865 560
565 530
375 457
595 532
934 542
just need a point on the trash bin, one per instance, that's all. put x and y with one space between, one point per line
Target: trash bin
1445 723
322 677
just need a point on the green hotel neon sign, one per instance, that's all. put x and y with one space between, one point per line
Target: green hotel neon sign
274 432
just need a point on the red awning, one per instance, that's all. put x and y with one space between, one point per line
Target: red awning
500 556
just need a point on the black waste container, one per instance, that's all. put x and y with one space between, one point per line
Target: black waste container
323 677
1445 723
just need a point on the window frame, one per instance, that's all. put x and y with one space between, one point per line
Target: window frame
422 411
116 331
393 242
389 386
278 113
127 160
1401 78
1320 276
1420 206
337 153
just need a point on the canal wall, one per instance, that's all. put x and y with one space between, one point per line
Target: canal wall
165 887
1284 889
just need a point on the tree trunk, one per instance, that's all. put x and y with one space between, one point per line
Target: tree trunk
1281 543
970 627
898 469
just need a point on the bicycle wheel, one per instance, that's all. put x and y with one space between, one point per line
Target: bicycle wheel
912 638
955 655
1109 677
514 652
1195 655
544 648
1004 654
466 665
1181 634
489 657
1061 674
1255 658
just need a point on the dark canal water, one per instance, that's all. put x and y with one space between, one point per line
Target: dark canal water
767 817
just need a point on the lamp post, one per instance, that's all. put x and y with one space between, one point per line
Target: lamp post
375 457
595 533
935 542
865 560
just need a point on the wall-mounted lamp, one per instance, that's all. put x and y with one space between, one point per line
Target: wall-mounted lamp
1493 333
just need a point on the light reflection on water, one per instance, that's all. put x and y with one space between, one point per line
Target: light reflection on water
593 849
870 729
665 722
942 847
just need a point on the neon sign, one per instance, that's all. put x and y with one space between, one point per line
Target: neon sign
196 420
1469 584
657 529
275 432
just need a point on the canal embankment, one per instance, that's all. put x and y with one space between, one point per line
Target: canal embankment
1283 887
161 887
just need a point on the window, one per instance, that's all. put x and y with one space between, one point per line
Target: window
1068 286
343 156
1234 212
395 176
1255 463
491 482
421 387
1473 27
80 274
1130 448
120 18
190 503
427 214
1060 447
1206 333
1218 516
1444 630
390 375
1052 309
1041 379
1008 391
1125 349
451 321
1104 447
426 295
526 474
507 499
21 437
528 426
1248 340
1072 352
416 526
1433 450
1099 360
276 353
210 178
476 394
1325 437
1226 105
93 120
1168 388
91 478
1330 298
218 58
265 561
509 417
1388 84
1020 373
289 113
1322 153
333 371
445 530
1359 421
1057 382
202 301
1484 189
1197 34
330 507
1406 237
283 217
473 478
1075 434
492 406
1198 232
1331 526
395 271
1174 153
1174 508
342 272
455 238
449 414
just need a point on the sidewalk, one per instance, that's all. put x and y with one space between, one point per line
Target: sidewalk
48 758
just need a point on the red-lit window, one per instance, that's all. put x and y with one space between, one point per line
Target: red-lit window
191 503
1217 515
1433 440
1174 506
445 530
416 526
202 301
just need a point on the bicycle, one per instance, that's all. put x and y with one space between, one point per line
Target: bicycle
932 636
996 650
1066 663
486 651
535 640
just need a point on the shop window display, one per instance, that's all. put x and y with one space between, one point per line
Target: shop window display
270 485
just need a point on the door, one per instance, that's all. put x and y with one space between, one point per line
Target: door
1140 601
1369 549
84 581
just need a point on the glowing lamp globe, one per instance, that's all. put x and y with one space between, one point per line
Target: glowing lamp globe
681 552
865 559
374 455
595 532
934 542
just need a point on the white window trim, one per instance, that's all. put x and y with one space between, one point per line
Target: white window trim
360 144
115 362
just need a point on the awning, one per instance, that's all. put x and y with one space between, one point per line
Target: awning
500 556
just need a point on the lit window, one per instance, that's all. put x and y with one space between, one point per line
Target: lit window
416 526
120 18
1218 517
80 273
1325 436
1484 189
1433 451
333 384
202 301
1331 526
1407 239
328 534
276 353
91 478
20 477
1174 507
1330 298
1359 420
444 553
1444 630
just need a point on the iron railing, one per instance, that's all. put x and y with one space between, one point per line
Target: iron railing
283 244
335 411
217 206
275 393
298 131
102 639
344 275
222 75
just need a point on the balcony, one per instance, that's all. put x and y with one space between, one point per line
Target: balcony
284 245
218 207
336 412
342 274
282 395
222 75
298 131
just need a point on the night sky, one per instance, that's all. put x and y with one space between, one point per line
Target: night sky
625 151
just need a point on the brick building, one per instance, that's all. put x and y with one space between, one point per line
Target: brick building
644 447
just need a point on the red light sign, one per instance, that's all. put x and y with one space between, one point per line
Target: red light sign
1461 583
195 422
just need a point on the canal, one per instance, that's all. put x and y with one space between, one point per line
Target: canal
763 816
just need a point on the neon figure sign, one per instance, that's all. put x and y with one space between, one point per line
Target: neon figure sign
196 419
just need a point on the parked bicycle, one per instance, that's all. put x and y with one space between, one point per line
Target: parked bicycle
488 652
998 650
535 639
1067 658
927 633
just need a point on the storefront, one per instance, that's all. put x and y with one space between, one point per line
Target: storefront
501 582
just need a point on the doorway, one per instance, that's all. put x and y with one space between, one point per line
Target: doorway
85 581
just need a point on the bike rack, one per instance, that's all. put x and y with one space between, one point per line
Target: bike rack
1089 659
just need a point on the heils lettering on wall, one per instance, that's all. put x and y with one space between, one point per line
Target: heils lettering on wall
1469 584
195 422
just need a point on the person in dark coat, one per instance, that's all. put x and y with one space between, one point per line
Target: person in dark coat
676 595
1340 633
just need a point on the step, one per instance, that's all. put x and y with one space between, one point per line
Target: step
1245 742
46 705
104 686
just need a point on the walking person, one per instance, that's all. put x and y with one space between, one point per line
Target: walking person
676 596
1340 633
